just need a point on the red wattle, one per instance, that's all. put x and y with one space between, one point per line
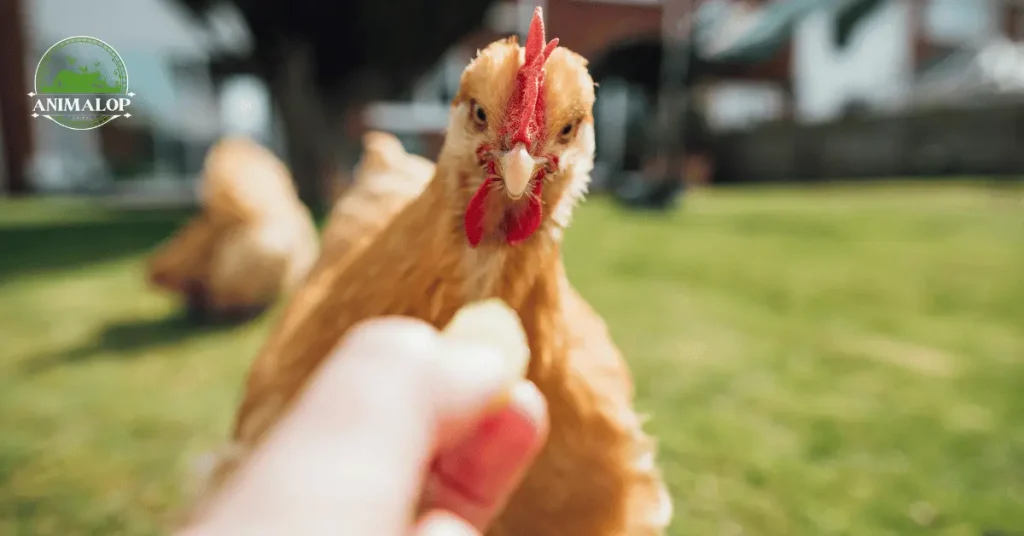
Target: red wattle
521 226
474 219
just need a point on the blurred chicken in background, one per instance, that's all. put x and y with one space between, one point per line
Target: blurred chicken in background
253 240
387 178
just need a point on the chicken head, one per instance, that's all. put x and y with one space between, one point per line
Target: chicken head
524 115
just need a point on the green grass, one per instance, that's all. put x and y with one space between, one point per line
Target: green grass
832 361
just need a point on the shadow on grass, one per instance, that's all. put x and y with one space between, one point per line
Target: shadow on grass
128 340
39 248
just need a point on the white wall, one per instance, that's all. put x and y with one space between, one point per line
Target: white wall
737 105
875 68
245 108
959 21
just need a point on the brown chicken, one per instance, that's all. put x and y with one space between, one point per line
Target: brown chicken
516 159
387 178
253 240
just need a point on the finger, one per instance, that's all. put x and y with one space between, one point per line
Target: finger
475 478
440 523
459 408
352 453
491 323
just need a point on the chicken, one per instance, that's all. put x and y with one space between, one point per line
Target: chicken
516 160
386 179
252 241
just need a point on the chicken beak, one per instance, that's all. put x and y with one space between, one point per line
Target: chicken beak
516 170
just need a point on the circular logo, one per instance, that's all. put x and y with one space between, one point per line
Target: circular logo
81 83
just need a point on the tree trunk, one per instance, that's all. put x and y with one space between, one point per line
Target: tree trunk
307 125
15 126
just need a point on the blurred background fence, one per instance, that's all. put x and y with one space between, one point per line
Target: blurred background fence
984 139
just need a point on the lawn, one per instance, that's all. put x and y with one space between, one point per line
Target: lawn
832 361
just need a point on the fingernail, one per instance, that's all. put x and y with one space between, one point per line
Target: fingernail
528 400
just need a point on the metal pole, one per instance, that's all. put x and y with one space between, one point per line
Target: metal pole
676 26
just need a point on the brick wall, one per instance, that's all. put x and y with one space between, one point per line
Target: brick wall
589 27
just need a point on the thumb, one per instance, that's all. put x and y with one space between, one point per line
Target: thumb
351 456
475 477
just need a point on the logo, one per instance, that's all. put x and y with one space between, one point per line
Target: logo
81 84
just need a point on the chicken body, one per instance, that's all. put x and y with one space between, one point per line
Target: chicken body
253 240
596 475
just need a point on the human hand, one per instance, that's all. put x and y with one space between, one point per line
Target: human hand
394 424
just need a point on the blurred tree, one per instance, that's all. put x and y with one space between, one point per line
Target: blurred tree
323 58
15 129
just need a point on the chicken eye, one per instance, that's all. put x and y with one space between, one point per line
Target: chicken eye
479 115
567 131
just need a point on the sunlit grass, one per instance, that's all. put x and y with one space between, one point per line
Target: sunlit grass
836 361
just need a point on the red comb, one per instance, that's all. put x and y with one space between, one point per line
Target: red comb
526 111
